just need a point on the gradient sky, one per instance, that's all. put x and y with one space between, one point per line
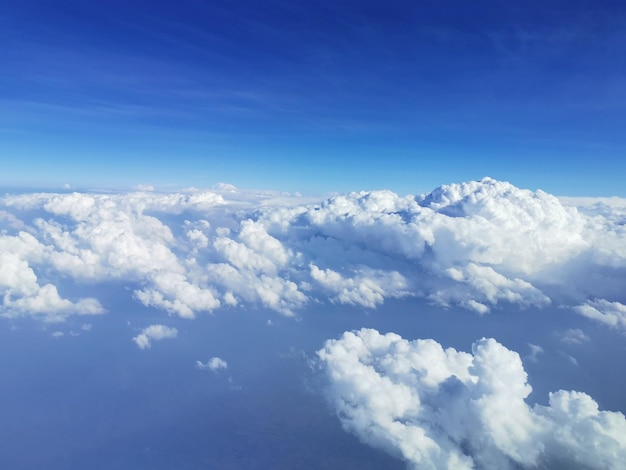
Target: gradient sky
313 96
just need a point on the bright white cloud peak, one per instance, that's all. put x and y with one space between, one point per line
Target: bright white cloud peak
475 245
441 408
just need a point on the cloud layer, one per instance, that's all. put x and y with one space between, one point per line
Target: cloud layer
441 408
475 245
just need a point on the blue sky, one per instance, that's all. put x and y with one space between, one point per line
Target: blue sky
313 96
204 326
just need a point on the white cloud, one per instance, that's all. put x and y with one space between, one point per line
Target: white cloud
441 408
8 219
571 359
20 287
154 333
110 237
214 364
610 313
477 245
174 293
198 237
366 287
574 336
535 352
226 187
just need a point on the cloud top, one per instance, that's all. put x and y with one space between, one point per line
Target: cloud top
441 408
478 245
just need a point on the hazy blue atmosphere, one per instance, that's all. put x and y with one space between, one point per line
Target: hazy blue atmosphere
317 235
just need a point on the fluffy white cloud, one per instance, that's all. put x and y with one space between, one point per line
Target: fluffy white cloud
214 364
21 290
154 333
474 245
441 408
366 287
100 237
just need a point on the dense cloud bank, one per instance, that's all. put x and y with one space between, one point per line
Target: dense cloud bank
475 245
441 408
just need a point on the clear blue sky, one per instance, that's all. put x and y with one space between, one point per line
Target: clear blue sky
313 96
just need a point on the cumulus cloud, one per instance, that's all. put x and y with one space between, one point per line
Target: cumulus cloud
477 245
154 333
102 237
366 287
23 293
214 364
441 408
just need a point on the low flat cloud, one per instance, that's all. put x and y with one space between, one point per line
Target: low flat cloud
442 408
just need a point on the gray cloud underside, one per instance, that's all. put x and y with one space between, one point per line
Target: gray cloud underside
475 245
445 409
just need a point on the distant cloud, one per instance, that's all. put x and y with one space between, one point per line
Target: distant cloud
571 359
574 336
535 352
10 221
610 313
214 364
479 245
154 333
442 408
226 187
